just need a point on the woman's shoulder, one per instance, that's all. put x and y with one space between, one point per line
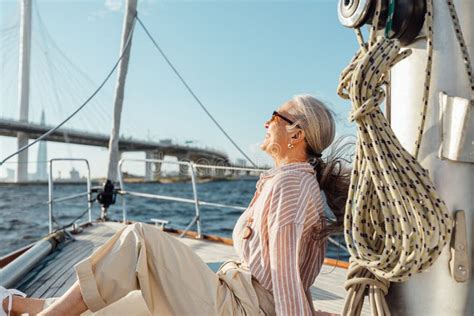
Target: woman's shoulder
294 178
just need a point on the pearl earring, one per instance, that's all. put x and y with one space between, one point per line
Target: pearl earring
291 146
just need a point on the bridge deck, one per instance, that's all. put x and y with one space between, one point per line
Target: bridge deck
73 136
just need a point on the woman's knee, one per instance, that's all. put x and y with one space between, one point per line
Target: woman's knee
132 233
135 228
142 230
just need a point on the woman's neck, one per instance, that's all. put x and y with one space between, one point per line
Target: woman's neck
285 161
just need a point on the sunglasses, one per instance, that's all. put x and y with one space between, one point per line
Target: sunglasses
276 114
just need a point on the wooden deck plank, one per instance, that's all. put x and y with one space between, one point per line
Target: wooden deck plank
57 260
38 282
49 289
56 274
67 260
57 288
48 267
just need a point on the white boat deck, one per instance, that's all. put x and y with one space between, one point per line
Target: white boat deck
54 275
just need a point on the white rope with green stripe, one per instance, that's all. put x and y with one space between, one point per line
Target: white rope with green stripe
395 224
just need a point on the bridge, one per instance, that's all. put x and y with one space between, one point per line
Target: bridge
58 91
153 150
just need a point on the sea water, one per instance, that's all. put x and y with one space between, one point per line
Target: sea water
24 209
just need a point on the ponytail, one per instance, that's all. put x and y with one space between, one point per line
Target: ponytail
333 174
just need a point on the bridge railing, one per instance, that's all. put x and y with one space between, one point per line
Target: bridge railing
195 200
52 200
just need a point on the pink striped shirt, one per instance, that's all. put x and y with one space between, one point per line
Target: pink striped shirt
283 253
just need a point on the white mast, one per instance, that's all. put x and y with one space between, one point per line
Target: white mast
24 86
435 292
114 154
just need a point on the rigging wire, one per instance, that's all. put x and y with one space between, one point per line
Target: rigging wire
72 222
191 91
82 105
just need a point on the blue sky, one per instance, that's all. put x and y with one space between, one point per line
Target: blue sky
242 58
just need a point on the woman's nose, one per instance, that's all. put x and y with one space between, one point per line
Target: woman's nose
267 123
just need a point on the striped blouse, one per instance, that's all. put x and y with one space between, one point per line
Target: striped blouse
282 252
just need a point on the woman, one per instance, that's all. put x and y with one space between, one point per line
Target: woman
280 239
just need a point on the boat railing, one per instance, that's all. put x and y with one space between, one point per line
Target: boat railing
52 200
195 200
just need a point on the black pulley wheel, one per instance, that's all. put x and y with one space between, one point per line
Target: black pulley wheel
408 20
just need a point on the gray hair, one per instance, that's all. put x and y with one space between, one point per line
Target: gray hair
316 120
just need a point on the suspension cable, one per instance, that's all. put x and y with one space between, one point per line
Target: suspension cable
82 105
168 61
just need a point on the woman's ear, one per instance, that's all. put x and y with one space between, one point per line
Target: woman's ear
298 136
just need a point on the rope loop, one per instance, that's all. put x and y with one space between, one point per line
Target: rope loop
359 276
364 79
368 107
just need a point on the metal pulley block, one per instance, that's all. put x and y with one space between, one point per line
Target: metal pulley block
355 13
401 19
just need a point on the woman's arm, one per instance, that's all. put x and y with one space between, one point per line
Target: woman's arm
288 291
287 212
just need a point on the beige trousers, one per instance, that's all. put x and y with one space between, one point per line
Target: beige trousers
170 277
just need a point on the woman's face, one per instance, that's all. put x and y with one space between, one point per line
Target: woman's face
277 136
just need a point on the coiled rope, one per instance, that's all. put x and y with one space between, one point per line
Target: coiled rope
395 223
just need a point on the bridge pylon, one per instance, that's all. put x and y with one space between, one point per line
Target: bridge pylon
153 169
24 87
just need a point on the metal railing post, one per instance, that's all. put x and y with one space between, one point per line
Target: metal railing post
50 196
89 193
51 199
198 216
122 188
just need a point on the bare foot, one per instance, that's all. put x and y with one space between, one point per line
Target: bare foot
21 305
71 303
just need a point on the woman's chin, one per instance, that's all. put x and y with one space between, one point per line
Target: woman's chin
264 145
269 148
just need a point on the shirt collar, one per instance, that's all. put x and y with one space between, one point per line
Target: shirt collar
293 166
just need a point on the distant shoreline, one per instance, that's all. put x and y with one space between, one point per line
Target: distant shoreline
165 180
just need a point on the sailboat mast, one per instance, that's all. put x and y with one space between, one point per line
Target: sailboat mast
24 86
114 153
436 292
